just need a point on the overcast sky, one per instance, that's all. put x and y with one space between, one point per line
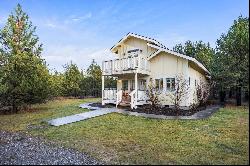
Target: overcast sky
82 30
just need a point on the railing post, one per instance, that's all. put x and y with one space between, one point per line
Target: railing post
136 88
135 62
103 90
111 68
139 62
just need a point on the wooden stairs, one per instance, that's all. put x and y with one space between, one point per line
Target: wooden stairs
126 99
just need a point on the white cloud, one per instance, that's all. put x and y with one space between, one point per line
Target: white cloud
171 39
80 18
3 19
51 25
55 23
58 55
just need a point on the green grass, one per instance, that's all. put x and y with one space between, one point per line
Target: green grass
121 139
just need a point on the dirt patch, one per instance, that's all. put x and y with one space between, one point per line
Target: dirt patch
99 105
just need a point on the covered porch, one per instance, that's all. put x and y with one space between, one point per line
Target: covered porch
130 90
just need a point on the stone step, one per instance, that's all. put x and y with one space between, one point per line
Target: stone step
124 104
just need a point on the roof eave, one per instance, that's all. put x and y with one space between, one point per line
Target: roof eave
178 54
113 49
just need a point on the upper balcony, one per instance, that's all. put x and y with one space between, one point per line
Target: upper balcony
130 64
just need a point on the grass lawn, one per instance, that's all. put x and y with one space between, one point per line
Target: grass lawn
121 139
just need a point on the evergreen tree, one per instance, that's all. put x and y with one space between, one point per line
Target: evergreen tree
231 65
199 50
57 80
25 74
95 77
72 78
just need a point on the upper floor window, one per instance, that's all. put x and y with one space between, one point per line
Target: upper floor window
170 84
134 50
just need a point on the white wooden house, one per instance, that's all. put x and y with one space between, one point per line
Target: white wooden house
139 59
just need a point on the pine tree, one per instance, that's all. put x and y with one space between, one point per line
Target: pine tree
72 78
25 75
232 61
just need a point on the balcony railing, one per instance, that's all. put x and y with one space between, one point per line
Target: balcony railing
126 65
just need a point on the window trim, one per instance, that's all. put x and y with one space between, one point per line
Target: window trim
171 82
159 86
142 87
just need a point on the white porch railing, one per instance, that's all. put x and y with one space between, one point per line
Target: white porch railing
109 94
118 97
141 95
138 97
119 66
133 99
114 96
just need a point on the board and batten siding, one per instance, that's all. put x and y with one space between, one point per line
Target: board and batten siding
135 43
164 66
195 76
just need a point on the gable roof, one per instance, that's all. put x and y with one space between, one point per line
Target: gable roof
130 34
160 49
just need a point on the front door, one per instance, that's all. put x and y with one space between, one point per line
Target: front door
125 91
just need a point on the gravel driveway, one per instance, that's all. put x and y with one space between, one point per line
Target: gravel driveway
21 149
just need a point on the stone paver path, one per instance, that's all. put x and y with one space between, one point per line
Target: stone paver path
81 116
103 111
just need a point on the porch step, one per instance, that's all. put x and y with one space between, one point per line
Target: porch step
123 103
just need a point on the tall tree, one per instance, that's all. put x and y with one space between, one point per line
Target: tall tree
95 74
57 80
25 77
72 78
199 50
189 49
232 61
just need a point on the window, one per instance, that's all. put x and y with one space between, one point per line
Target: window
142 84
195 82
170 84
132 85
124 84
188 80
134 50
159 84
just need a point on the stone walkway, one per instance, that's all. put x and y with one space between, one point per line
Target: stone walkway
103 111
81 116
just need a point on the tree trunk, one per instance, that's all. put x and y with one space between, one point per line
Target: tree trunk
14 107
246 95
238 96
222 96
230 93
